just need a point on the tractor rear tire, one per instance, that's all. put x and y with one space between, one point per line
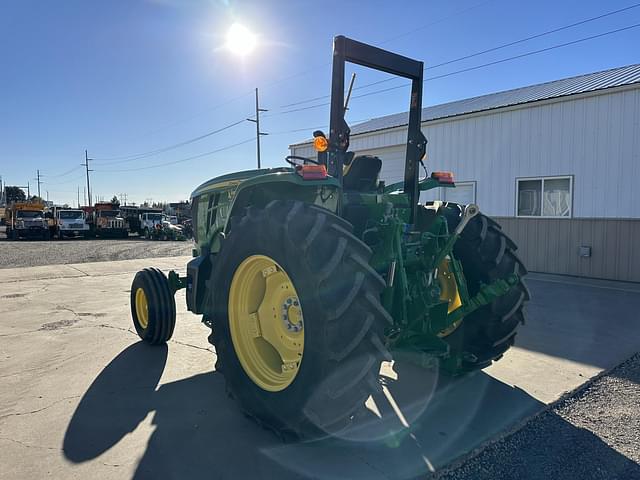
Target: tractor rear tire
486 254
343 325
153 306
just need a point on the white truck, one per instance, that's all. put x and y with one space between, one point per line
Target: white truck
150 224
71 223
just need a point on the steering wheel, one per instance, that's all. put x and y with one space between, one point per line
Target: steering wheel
291 160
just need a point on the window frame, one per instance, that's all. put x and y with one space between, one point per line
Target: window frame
542 179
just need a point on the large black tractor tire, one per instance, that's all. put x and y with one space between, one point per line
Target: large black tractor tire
343 326
153 306
487 254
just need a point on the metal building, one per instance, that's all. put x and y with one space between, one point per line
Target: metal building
557 164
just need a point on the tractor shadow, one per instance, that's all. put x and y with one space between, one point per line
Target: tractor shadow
419 423
586 321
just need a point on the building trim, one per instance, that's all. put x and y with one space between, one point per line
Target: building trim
489 111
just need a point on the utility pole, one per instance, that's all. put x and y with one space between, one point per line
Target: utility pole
78 196
86 165
123 195
39 182
257 122
28 190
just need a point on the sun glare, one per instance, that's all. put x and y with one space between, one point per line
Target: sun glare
240 40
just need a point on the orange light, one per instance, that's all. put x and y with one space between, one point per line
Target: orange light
312 172
443 177
321 144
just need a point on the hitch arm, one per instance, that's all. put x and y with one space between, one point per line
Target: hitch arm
176 282
469 212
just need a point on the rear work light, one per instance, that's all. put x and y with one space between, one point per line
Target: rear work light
312 172
442 177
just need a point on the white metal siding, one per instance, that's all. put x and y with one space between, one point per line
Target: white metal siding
595 138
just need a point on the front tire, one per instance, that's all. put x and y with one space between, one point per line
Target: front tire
487 254
343 324
153 306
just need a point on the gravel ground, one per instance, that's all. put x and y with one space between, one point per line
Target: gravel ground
593 434
30 253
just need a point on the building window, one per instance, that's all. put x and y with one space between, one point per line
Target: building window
463 193
544 197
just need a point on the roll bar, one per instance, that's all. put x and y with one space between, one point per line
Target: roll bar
348 50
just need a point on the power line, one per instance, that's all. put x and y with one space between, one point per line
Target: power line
191 117
435 22
482 52
508 59
68 172
139 156
74 179
193 157
318 67
476 67
310 129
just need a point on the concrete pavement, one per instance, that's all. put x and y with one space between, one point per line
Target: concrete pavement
80 397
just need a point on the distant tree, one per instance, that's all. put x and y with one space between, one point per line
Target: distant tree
115 200
36 199
15 194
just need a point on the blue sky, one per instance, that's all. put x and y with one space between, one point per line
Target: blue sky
130 76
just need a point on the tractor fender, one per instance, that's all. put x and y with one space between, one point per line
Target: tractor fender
260 190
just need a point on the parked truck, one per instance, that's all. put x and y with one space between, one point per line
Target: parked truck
70 223
157 226
107 221
26 220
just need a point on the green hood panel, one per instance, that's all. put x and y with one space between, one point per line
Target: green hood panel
253 177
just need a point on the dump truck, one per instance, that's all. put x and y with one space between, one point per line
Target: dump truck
26 220
107 221
311 275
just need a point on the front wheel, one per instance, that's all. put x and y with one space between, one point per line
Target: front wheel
297 321
153 306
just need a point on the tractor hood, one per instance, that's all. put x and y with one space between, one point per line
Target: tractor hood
236 178
232 180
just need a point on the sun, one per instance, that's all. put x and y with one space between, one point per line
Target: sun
240 40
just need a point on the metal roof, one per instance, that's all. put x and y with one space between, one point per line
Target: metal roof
615 77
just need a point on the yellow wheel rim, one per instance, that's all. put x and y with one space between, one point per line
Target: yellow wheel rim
266 323
142 308
449 293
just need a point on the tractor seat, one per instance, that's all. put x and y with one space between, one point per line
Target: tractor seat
361 174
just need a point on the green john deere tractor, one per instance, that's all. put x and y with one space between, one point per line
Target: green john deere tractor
310 276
